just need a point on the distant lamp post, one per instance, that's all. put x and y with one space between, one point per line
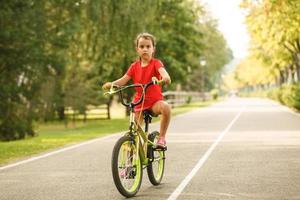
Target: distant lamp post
202 64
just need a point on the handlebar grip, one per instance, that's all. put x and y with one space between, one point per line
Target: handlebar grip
155 81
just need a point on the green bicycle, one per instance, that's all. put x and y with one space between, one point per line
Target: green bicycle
137 149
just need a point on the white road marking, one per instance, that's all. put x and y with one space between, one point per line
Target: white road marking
56 152
202 160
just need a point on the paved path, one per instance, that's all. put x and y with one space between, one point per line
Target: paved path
237 149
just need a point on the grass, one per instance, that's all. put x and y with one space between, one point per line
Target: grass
55 134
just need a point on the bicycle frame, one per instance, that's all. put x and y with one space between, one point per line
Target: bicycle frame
140 137
137 149
136 132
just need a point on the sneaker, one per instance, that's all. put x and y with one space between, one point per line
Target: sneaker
123 173
161 143
127 173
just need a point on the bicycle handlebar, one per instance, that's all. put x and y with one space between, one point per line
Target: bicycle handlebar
119 90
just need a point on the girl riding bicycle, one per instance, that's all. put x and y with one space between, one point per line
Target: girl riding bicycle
142 71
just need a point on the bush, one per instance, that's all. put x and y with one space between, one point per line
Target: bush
17 124
15 129
287 94
189 99
214 94
275 94
290 95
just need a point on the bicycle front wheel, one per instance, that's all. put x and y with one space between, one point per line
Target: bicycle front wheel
126 167
156 167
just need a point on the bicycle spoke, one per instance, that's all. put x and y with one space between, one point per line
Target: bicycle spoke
128 170
157 165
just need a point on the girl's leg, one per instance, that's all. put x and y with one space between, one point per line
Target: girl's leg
163 108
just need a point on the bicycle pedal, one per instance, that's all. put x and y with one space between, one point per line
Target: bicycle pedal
160 148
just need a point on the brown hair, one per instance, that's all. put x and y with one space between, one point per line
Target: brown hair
147 36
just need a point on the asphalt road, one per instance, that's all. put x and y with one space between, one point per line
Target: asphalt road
238 149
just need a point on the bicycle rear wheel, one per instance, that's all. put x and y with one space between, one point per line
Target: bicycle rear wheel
156 167
126 167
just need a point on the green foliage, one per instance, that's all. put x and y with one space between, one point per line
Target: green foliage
275 42
56 54
21 50
290 95
33 36
215 53
15 127
180 52
275 94
189 100
287 94
215 94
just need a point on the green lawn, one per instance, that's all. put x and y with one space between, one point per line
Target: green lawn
54 135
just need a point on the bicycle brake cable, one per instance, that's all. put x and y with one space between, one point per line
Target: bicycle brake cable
141 110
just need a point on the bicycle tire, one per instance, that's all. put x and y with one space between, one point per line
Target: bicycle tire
156 167
132 167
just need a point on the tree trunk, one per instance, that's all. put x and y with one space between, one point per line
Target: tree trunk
286 74
108 104
290 74
108 110
85 117
74 121
61 113
298 67
298 73
281 78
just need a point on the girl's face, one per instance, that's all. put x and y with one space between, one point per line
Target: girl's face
145 49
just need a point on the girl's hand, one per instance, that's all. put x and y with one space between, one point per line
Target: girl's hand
107 85
167 80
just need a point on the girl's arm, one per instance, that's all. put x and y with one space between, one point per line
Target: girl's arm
121 81
164 74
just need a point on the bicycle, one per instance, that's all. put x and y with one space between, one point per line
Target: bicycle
137 149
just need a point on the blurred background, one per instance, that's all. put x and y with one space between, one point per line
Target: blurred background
56 54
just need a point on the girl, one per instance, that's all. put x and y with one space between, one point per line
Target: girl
142 71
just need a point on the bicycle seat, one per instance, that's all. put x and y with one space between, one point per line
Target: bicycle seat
148 112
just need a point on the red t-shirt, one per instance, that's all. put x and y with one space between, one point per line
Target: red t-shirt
144 75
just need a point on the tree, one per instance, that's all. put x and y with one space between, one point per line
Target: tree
216 55
21 52
56 54
274 28
30 42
